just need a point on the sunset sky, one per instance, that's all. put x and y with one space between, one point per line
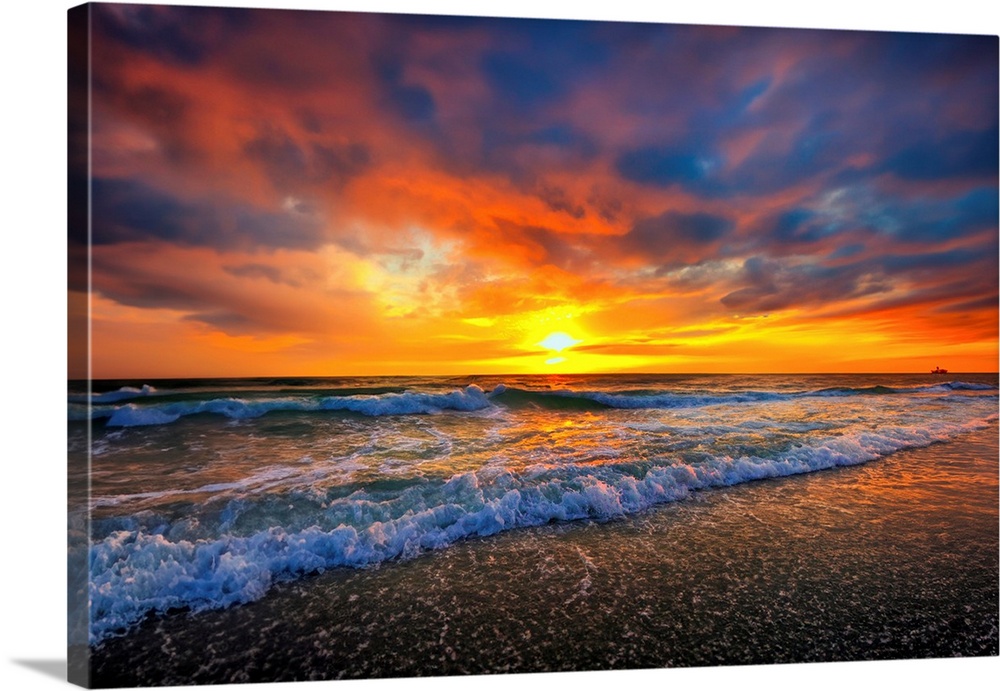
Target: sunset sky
305 193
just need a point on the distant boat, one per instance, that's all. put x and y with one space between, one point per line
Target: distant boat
938 370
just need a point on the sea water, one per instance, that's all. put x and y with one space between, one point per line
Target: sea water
210 494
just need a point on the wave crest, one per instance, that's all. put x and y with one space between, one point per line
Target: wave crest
131 415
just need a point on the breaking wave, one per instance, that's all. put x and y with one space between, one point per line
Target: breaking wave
145 566
157 410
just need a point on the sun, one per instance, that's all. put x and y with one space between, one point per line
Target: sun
558 341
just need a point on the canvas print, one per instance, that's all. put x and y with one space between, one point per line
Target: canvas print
409 345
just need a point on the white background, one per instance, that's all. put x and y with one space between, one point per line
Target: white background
32 333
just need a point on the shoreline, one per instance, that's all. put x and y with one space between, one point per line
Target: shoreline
794 569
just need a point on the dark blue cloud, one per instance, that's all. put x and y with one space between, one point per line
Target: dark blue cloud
956 279
798 225
186 36
750 94
666 166
732 112
511 146
127 210
671 235
886 95
698 166
816 153
844 213
912 56
77 198
958 155
561 135
769 285
546 60
846 251
412 102
942 221
519 82
853 214
503 144
930 263
502 137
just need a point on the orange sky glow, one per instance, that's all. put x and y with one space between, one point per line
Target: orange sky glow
280 193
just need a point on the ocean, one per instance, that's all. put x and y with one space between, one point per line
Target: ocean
320 528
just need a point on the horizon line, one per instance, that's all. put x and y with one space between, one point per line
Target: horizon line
513 374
